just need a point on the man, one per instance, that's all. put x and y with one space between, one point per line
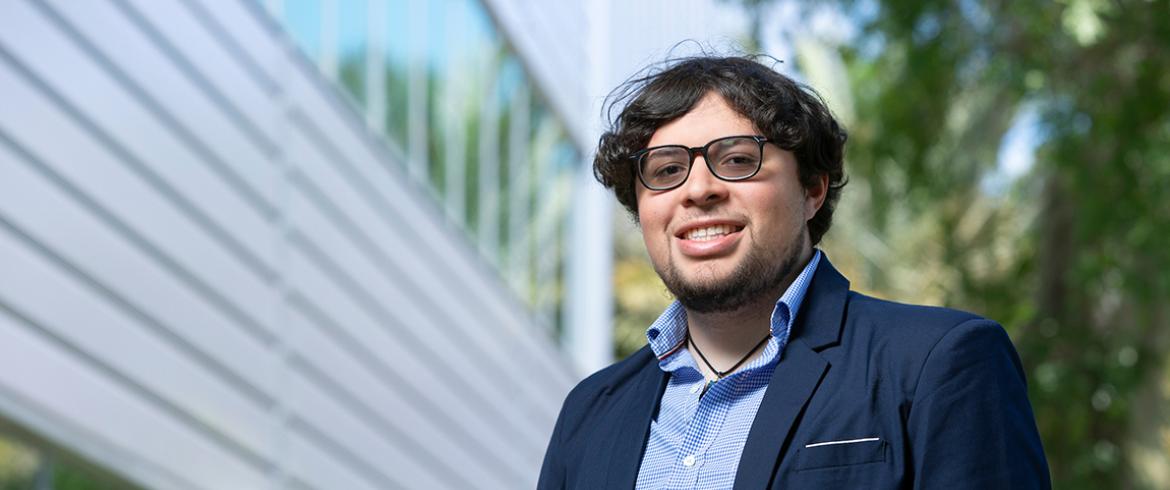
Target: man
767 372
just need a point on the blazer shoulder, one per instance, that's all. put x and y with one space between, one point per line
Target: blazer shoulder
908 335
903 316
911 328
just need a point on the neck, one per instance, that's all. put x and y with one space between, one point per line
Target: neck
726 336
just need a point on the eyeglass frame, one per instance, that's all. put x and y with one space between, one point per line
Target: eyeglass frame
692 152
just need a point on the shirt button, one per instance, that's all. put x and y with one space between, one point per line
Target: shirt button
689 461
695 389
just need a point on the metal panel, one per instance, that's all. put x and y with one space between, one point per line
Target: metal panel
162 79
166 251
129 147
192 42
424 376
44 372
393 250
550 38
392 333
455 269
214 276
203 353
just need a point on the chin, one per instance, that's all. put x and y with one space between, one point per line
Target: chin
728 283
706 275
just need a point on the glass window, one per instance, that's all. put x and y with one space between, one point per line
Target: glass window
476 130
397 54
303 21
353 36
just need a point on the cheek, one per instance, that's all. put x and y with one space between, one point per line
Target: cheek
783 212
653 219
650 220
651 213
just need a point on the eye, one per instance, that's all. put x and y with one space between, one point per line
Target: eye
666 164
669 169
739 160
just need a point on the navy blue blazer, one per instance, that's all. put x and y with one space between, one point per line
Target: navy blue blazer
906 396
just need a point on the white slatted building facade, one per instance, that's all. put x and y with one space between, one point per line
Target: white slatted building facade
214 276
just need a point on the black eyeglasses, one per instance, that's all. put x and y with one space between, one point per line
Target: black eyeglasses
731 158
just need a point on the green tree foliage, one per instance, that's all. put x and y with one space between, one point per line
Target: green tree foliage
26 466
1074 256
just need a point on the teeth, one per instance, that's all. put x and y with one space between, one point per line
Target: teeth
709 233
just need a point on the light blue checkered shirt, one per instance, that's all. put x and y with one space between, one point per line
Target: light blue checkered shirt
695 443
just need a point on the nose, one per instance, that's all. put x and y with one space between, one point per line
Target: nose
703 188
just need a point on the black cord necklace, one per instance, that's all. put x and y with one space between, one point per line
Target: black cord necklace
721 374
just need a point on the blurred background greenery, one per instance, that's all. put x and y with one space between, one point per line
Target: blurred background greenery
1068 248
27 465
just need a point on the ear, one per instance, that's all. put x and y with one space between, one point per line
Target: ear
814 196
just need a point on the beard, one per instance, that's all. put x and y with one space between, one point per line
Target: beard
756 276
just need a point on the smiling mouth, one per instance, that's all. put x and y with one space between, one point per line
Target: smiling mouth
708 233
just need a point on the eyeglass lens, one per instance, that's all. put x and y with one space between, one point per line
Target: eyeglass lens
729 158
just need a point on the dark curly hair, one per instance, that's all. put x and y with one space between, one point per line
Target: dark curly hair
791 115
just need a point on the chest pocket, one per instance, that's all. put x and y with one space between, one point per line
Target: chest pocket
840 453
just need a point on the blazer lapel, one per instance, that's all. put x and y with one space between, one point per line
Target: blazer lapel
797 376
635 408
793 383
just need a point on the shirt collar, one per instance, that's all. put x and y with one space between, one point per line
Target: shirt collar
669 332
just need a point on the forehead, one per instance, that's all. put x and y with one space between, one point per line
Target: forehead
711 118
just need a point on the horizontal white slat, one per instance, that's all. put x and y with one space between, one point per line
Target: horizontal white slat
37 121
431 372
383 400
148 73
248 34
365 452
117 329
82 396
71 309
310 462
384 197
325 299
375 256
200 53
83 231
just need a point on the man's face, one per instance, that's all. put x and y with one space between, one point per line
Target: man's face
720 245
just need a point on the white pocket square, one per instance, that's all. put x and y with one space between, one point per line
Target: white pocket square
848 441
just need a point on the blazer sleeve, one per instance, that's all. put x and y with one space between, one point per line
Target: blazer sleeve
970 423
552 471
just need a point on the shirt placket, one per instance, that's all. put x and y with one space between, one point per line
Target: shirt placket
702 430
